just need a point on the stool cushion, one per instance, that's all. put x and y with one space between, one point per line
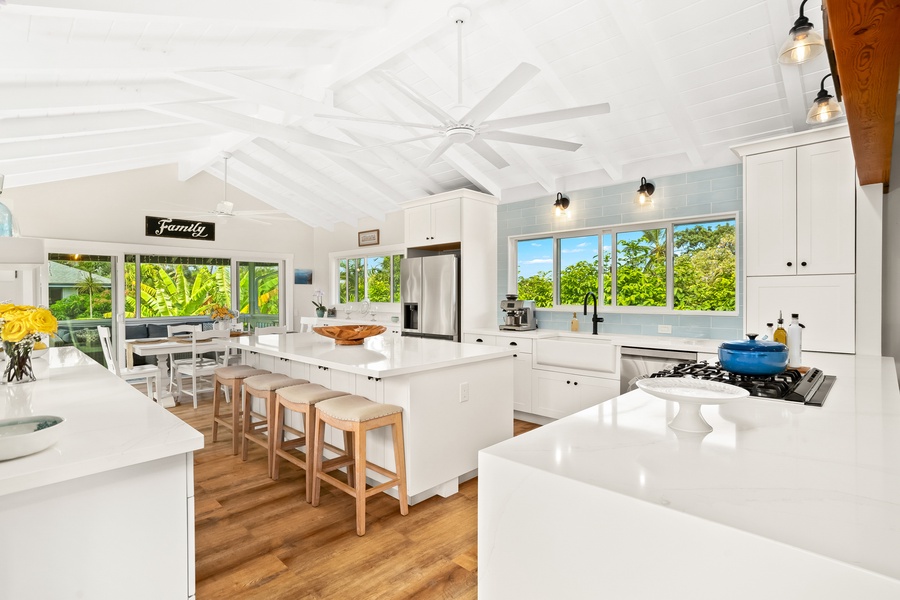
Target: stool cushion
271 381
239 372
308 394
355 408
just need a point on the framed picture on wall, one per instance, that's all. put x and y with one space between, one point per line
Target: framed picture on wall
369 238
302 276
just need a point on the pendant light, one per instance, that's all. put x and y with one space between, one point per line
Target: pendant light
560 206
824 108
644 192
803 43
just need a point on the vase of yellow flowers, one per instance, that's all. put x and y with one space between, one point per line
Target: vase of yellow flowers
20 328
222 316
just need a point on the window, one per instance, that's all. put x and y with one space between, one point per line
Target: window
175 286
679 265
258 285
372 278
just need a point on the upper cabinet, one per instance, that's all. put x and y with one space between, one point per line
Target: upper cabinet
433 224
801 210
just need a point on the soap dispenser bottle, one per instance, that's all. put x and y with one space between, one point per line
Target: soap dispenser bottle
794 339
574 323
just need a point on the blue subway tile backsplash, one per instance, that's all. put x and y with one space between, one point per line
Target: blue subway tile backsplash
699 193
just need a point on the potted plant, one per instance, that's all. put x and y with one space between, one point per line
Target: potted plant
318 296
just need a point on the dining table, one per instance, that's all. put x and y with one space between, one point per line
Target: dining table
164 349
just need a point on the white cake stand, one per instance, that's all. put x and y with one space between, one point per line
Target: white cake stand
691 394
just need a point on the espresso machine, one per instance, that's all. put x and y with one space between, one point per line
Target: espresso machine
519 314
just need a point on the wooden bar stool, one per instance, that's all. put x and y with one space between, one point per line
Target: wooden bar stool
358 415
231 378
257 431
301 399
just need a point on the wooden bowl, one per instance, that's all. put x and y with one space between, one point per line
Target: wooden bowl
349 335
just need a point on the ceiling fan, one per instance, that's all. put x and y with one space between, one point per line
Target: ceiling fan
225 209
471 125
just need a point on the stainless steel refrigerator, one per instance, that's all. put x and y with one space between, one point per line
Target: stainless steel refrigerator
429 292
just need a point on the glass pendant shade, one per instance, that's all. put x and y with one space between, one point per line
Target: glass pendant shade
6 221
804 43
824 110
560 207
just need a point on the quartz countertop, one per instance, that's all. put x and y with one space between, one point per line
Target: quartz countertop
378 356
700 345
109 424
822 479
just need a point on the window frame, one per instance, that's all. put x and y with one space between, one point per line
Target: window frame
667 224
334 259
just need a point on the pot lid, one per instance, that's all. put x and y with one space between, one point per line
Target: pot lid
753 345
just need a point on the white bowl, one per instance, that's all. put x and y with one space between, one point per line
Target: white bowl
27 435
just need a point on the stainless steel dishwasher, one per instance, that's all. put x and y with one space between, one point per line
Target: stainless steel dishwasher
640 362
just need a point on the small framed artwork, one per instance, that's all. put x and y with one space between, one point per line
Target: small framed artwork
302 276
369 238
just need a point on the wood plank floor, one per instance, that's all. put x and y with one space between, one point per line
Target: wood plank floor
258 538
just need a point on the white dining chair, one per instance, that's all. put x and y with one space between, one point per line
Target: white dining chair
149 374
176 330
196 368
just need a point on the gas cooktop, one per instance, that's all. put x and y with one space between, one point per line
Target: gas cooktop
808 387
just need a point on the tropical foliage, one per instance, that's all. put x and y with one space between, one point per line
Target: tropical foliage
376 278
176 290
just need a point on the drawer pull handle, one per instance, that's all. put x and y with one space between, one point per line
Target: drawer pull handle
568 382
515 356
479 340
576 383
513 344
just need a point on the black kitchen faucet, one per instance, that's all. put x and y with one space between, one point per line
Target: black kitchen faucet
595 319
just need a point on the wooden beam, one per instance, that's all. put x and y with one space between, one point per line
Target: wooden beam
865 35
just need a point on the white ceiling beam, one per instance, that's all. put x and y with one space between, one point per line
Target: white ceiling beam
165 56
332 209
88 143
628 22
396 161
374 182
301 15
55 170
97 96
24 128
210 114
473 172
197 162
174 149
441 73
505 28
790 74
334 188
303 210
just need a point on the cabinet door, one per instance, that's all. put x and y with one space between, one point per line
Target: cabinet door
826 305
826 208
522 382
417 221
445 221
558 394
771 215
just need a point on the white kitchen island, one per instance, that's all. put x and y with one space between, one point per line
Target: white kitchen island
106 512
456 398
779 501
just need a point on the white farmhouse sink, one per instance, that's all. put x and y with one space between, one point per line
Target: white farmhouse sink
582 353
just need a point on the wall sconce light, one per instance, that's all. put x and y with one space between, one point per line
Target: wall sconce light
560 206
824 108
803 43
644 192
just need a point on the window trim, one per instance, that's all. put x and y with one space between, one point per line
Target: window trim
668 224
334 258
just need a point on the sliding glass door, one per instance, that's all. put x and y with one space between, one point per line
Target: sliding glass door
258 286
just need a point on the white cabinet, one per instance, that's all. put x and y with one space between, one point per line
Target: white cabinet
433 224
522 396
560 394
825 304
801 210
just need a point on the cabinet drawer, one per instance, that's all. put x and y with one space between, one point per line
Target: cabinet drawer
477 338
516 343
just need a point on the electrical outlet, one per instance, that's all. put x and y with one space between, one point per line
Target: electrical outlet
664 329
464 392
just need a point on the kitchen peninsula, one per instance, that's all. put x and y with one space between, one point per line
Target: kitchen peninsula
108 511
456 398
780 500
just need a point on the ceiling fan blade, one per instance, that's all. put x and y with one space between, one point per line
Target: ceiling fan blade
437 152
380 122
547 117
395 142
488 153
511 84
439 113
529 140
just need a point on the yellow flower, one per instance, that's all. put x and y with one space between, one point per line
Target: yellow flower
15 330
42 321
4 308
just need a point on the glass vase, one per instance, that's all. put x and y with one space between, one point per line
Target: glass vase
18 361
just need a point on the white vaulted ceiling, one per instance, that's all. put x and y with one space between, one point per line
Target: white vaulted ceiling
97 86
